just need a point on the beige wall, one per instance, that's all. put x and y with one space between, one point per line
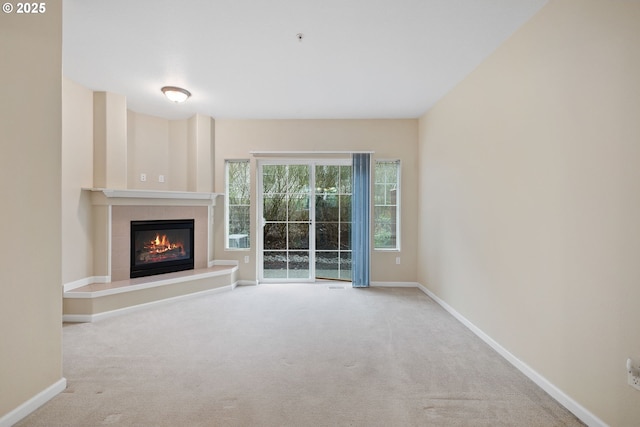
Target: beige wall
177 178
180 150
30 171
77 172
200 154
390 139
530 200
110 140
148 151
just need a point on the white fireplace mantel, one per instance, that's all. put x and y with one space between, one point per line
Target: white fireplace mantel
119 197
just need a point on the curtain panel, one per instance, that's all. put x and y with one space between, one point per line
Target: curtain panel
360 220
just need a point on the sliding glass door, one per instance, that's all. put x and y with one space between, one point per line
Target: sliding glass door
305 208
333 222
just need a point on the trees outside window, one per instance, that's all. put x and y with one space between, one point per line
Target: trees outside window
238 206
386 224
333 221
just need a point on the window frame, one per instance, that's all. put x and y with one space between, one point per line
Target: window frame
227 205
398 204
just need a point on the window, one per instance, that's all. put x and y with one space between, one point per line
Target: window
238 204
386 224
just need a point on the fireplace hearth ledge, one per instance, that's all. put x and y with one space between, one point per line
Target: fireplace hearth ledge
101 300
96 290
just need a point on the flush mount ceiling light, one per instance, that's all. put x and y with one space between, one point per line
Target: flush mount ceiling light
176 94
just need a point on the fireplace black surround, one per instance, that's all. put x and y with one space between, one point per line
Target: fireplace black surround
162 246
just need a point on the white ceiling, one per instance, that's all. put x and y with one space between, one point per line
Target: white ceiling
242 58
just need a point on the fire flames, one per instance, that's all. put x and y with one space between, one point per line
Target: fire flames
161 245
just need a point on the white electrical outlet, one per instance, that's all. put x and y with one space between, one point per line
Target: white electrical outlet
160 178
246 259
398 260
633 373
143 177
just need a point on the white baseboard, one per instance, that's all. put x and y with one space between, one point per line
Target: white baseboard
88 318
247 282
84 282
34 403
393 284
578 410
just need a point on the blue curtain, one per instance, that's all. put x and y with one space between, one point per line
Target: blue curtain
360 221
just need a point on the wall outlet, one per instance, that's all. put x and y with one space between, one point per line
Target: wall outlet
143 177
633 373
246 259
160 178
398 260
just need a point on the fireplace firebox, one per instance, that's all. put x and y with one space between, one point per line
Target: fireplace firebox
162 246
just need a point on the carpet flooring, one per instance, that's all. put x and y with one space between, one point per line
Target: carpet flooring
320 354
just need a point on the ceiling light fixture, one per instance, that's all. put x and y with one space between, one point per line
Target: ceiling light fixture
176 94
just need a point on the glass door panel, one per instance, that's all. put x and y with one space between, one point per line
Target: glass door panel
286 222
333 222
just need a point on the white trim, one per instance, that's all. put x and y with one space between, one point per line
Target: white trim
34 403
211 225
84 282
153 194
115 197
296 161
247 283
398 204
394 285
89 318
578 410
283 281
313 154
109 240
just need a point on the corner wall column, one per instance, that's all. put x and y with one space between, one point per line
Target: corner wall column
109 140
200 159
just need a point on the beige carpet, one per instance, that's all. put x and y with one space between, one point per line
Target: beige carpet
291 355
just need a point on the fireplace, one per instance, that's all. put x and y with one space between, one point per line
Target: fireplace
161 246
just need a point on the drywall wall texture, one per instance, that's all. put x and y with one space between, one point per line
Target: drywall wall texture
77 172
530 199
175 155
389 139
109 140
30 171
148 143
201 154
